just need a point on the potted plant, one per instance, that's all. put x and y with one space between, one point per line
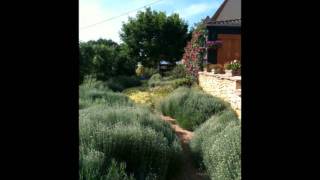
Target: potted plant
209 67
217 68
227 69
235 66
214 44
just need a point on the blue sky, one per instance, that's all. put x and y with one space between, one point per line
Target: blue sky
93 11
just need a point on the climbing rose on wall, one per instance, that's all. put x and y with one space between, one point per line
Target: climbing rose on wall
195 52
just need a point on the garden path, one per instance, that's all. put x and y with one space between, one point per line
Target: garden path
189 172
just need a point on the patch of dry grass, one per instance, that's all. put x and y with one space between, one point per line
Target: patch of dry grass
148 96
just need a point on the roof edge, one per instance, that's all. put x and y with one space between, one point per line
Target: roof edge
218 12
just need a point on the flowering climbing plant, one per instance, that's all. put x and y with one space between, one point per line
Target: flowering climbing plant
214 44
195 53
194 56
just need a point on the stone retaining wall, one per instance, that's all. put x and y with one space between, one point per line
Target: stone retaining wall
226 87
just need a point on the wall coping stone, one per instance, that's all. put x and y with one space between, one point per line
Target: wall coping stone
221 76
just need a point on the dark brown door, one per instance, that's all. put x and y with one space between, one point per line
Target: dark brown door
231 48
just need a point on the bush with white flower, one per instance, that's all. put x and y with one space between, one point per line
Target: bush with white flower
233 65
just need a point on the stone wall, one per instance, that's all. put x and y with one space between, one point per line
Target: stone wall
225 87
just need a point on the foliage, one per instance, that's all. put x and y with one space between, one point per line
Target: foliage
194 53
211 128
227 66
119 83
95 95
152 35
132 135
222 158
191 107
155 79
91 82
148 96
110 130
85 61
104 59
90 163
117 171
216 146
179 71
149 72
214 44
234 65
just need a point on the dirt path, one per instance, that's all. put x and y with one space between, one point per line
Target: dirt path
189 172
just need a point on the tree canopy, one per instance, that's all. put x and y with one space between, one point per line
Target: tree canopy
152 36
104 59
149 37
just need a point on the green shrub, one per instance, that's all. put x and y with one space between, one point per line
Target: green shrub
168 106
215 146
179 71
116 171
90 163
91 83
211 128
132 135
222 157
154 80
157 80
149 72
191 107
120 83
182 82
90 96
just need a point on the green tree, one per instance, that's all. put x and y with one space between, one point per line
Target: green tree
124 64
152 36
85 60
104 59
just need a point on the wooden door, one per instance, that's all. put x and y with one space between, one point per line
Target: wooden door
231 48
